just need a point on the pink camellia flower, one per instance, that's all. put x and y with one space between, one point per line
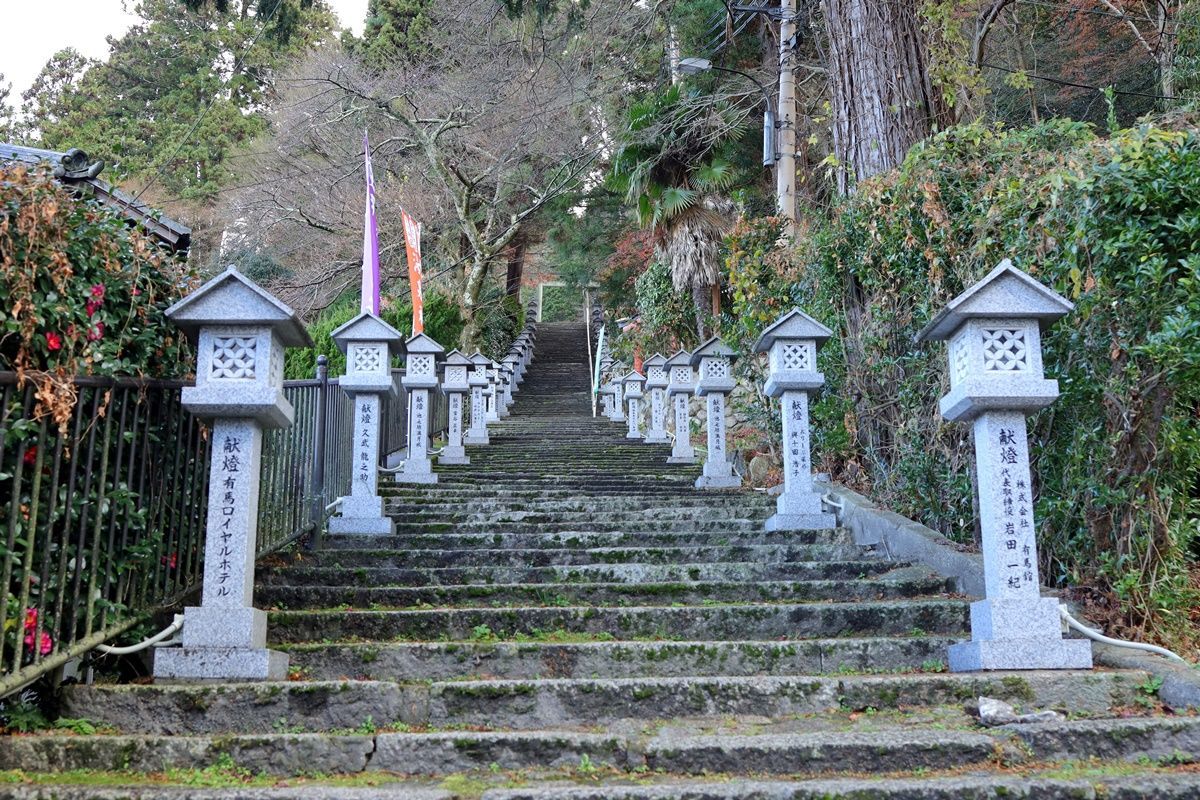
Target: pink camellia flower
31 614
92 307
30 459
98 291
96 332
46 645
53 341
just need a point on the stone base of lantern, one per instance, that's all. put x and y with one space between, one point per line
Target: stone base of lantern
362 526
1018 634
453 456
483 439
221 643
633 435
657 438
688 459
718 482
219 664
417 478
801 522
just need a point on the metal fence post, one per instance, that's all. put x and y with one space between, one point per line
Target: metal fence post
318 469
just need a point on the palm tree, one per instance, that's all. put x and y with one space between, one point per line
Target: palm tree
671 168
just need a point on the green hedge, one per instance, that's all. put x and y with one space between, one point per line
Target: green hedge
1111 223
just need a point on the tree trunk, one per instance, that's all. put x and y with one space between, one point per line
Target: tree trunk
516 265
701 300
882 95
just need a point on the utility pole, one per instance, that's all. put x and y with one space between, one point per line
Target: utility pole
785 167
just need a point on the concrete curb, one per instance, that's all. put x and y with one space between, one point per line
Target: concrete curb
906 540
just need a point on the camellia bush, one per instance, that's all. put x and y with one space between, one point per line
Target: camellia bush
1112 223
83 293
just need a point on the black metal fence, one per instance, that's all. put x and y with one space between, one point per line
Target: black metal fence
102 519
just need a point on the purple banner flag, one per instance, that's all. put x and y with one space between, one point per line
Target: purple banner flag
370 266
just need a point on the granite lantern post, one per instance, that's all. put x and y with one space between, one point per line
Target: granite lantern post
369 344
420 377
456 384
715 360
478 381
493 391
513 360
618 392
508 374
633 383
606 365
242 332
791 344
996 379
679 391
656 384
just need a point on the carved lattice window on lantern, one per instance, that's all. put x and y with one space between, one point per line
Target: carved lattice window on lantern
960 357
420 365
1005 350
367 358
797 356
234 356
716 368
656 373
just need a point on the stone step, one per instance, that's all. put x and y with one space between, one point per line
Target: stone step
576 539
411 513
548 704
442 498
723 621
596 555
598 594
305 573
600 525
612 659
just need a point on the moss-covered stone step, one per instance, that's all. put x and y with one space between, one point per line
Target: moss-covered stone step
402 512
547 657
545 704
445 498
420 524
307 571
627 594
767 554
549 704
577 539
720 621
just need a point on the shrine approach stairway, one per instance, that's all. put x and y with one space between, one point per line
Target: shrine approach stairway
567 617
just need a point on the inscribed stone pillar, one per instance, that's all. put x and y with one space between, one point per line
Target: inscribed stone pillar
792 343
656 385
478 381
493 391
456 384
679 392
633 400
715 360
369 343
420 378
996 378
242 332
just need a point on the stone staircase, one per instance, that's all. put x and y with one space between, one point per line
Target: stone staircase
566 617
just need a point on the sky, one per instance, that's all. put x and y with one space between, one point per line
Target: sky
84 24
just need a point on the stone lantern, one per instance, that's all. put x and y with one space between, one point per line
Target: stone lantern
508 368
242 332
494 391
420 379
513 360
478 381
715 360
791 344
614 389
369 344
996 378
633 383
680 387
606 365
456 384
656 384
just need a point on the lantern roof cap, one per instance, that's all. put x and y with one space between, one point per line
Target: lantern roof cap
1004 292
793 325
233 299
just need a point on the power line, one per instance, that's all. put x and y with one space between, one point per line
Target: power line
1063 82
1097 12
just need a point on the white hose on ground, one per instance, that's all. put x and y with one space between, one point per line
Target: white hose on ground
828 500
1096 635
153 641
334 504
